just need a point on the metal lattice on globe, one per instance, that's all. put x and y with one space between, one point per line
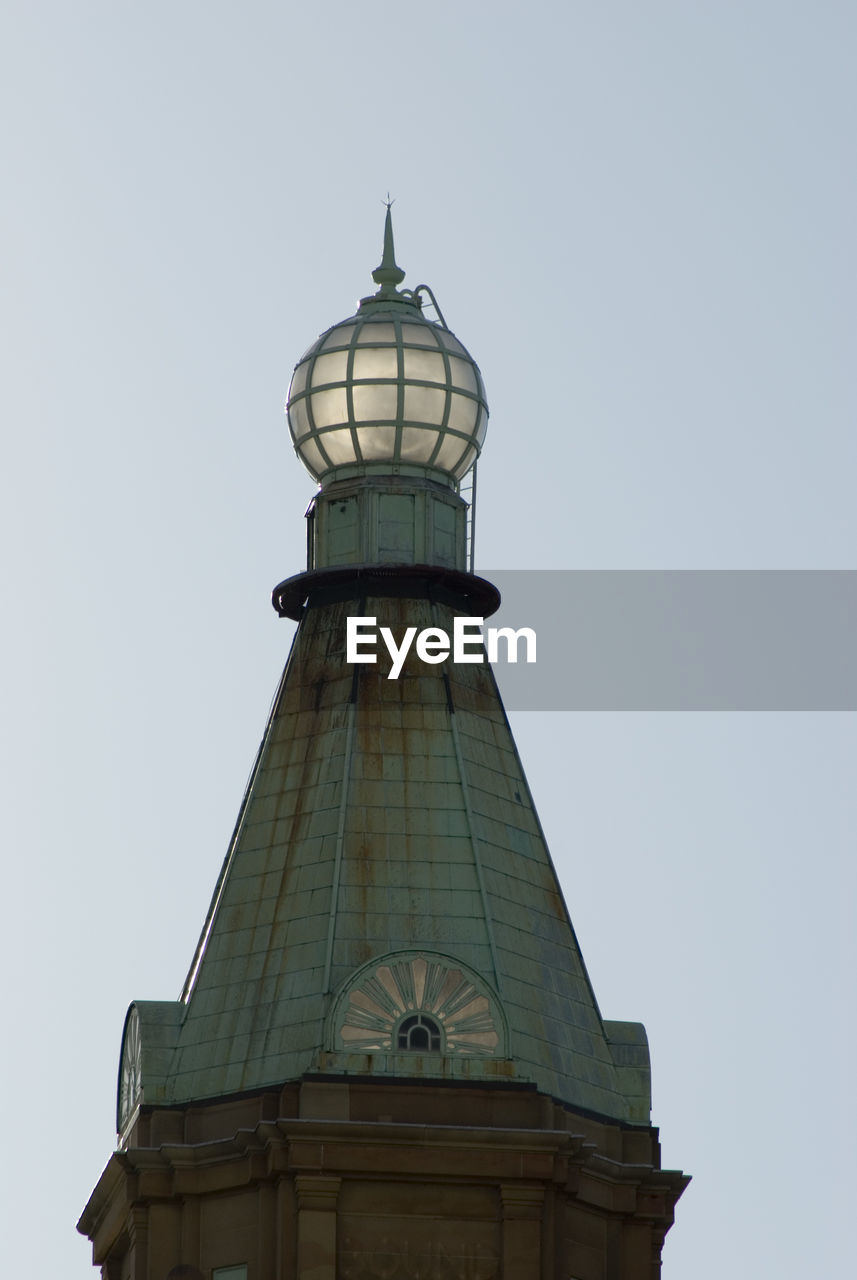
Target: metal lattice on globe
388 390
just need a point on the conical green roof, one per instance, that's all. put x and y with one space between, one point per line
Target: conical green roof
389 863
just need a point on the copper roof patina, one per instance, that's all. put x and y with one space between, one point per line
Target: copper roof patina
389 816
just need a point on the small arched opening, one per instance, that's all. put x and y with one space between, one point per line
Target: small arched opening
418 1033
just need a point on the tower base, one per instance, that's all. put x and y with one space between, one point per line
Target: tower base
351 1179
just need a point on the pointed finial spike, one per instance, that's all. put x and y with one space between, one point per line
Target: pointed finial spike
389 258
388 274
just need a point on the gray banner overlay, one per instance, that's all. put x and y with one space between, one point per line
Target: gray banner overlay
680 640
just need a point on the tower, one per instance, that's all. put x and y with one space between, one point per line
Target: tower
387 1061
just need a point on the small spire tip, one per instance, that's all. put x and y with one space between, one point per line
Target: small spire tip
388 275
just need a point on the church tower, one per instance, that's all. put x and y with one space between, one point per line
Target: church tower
387 1061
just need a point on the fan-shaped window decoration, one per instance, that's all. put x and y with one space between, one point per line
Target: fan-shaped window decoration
418 1002
419 1032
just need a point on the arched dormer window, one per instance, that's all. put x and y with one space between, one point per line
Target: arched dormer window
419 1033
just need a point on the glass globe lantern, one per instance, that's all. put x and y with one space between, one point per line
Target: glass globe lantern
388 391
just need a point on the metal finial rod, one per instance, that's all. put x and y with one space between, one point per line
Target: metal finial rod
388 274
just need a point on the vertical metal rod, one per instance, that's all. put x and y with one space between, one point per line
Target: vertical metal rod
310 535
473 519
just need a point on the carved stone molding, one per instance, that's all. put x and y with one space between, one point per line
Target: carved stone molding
317 1192
521 1201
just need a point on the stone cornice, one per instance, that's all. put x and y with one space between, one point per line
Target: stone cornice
295 1148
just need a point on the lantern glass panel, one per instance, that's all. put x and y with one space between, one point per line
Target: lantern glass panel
425 366
462 414
465 464
451 342
376 363
463 374
417 444
377 444
311 454
372 333
298 380
420 335
330 407
339 447
299 418
331 368
482 427
374 403
339 337
424 404
450 453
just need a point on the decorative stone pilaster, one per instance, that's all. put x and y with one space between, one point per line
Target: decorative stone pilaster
317 1196
523 1204
268 1233
190 1229
138 1235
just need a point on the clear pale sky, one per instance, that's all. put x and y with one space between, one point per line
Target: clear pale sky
640 220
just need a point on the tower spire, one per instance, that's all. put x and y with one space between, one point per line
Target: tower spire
388 274
388 988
